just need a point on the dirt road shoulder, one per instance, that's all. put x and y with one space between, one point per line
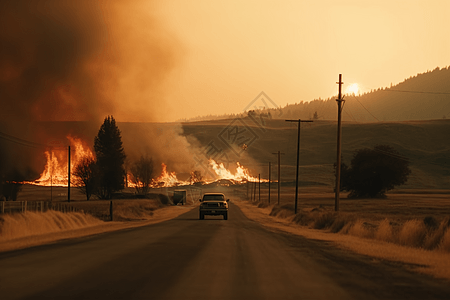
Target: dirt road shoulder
159 215
434 263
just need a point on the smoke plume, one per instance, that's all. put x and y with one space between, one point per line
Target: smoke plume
65 60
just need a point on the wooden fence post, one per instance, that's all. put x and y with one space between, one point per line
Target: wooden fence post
111 210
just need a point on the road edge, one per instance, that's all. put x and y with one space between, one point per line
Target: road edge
159 215
434 263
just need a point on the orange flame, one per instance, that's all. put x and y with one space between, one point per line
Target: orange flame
56 168
167 179
241 173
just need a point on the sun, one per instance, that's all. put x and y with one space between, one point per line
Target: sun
352 89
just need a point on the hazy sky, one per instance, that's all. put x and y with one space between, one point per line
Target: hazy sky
163 60
294 50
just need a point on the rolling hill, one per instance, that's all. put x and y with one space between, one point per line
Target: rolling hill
425 96
182 145
425 143
422 97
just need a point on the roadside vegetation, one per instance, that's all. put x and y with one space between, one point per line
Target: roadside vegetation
142 172
427 233
37 226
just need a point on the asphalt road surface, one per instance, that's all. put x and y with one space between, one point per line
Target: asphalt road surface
186 258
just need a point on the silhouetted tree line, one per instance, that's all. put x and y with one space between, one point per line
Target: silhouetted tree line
10 185
11 180
371 106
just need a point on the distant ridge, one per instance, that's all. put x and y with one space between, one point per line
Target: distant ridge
425 96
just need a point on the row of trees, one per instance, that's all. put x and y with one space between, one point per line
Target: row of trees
372 172
106 174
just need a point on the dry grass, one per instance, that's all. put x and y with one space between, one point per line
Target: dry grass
427 233
385 232
435 263
283 212
445 243
130 210
32 229
28 224
361 229
412 233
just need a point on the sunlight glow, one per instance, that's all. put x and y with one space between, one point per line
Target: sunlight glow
352 89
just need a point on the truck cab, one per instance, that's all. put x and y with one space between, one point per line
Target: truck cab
213 204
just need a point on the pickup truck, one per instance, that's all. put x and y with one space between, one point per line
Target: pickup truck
213 204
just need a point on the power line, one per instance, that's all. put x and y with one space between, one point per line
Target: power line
416 92
26 143
366 109
349 113
402 157
395 155
20 141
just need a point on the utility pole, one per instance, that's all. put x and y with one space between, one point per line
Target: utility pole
279 174
68 177
51 177
259 187
340 101
298 157
270 171
247 187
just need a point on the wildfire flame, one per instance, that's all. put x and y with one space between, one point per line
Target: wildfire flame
167 179
56 169
241 173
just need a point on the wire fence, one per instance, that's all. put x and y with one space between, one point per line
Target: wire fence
34 206
102 210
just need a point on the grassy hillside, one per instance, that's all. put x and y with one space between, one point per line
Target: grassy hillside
425 96
425 143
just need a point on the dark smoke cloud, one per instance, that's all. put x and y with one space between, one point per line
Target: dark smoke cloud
43 45
81 60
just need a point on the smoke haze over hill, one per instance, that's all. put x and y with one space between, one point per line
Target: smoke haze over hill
422 97
63 60
425 96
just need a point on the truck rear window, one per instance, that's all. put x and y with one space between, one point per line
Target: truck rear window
213 197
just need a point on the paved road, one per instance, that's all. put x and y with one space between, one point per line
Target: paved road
186 258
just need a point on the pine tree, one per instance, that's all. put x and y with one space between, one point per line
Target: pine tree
110 159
